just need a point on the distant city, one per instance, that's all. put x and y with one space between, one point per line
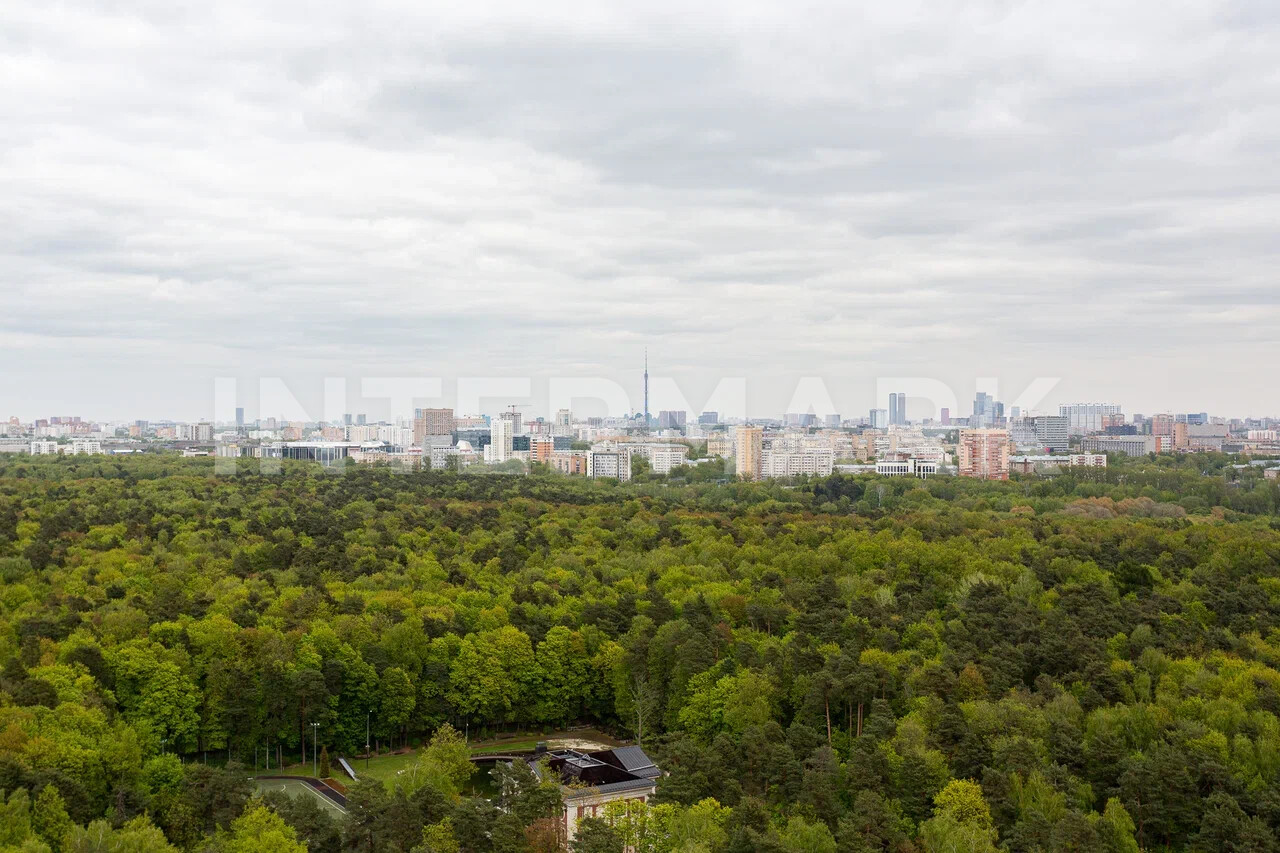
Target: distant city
988 443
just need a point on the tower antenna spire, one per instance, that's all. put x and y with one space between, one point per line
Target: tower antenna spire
646 389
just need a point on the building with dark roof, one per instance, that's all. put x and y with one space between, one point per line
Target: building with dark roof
591 780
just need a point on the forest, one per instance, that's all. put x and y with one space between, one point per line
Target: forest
1078 662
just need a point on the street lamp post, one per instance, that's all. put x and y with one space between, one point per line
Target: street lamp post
315 735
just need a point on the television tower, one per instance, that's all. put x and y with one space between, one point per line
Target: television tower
646 389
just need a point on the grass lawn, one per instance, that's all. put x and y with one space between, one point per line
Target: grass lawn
505 746
384 768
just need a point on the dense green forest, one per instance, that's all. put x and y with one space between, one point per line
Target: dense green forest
1089 661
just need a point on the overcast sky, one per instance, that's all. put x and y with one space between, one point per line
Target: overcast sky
950 190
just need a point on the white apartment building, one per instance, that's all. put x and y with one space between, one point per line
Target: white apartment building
793 463
1084 418
1087 460
907 467
662 456
43 448
609 463
396 436
363 433
498 449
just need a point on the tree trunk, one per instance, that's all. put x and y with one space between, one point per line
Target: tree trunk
859 719
827 702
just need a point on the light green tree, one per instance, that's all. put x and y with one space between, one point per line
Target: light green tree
961 821
259 830
444 763
803 836
137 836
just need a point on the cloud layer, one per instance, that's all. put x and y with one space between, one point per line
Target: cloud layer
1088 191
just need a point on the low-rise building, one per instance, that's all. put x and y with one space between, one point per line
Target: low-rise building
592 780
1087 460
907 466
720 444
568 463
1128 445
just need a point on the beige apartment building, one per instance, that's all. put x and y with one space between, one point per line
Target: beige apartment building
984 454
750 452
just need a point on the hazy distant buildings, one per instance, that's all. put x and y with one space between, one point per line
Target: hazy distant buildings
879 418
709 418
983 454
897 409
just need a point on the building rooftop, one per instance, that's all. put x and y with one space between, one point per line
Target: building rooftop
587 773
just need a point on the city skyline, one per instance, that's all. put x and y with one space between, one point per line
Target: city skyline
856 192
309 406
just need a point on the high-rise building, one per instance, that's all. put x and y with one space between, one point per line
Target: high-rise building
945 417
361 420
1086 418
833 422
240 416
984 454
879 418
982 409
501 437
1052 432
512 415
898 408
709 418
749 447
432 422
670 419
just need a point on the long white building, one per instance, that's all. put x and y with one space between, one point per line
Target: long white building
793 463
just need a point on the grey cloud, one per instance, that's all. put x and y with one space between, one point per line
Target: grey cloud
751 189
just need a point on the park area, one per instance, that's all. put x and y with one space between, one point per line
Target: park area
389 767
